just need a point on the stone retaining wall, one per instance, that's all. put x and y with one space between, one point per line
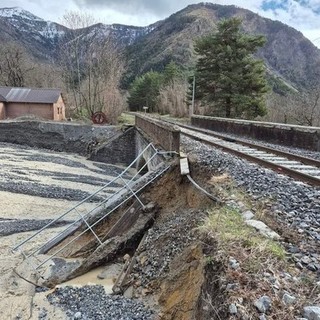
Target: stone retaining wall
290 135
166 135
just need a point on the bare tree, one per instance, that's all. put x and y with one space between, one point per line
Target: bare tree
301 108
173 98
15 65
308 111
103 72
91 67
45 75
71 54
279 108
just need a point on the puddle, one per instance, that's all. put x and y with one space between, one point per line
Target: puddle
91 278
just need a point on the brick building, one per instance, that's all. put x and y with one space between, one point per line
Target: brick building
45 104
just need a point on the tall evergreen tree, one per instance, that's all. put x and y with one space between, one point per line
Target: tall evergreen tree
227 74
171 73
144 92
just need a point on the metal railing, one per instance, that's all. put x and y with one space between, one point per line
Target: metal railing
128 189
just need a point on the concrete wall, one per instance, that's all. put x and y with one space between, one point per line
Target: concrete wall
2 111
148 156
121 149
290 135
165 135
41 110
57 136
59 110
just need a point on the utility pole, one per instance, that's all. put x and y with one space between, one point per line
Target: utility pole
193 94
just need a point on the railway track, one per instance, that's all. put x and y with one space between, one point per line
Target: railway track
296 166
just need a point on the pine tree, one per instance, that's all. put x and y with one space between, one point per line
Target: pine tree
144 92
227 75
171 73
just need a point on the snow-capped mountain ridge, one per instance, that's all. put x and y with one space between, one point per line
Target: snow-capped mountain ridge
18 12
42 37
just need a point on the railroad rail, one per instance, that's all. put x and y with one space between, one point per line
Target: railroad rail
296 166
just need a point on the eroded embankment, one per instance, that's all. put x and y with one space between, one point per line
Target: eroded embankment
68 137
185 257
168 266
201 260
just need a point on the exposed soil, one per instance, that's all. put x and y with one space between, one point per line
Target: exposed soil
177 270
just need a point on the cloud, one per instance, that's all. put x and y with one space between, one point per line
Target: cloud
298 14
157 8
131 7
304 15
48 10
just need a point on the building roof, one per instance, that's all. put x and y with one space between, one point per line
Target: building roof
28 95
2 98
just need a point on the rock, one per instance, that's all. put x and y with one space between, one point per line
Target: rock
263 229
311 312
288 299
293 249
299 265
143 259
149 207
304 225
305 260
233 309
231 286
128 293
294 204
234 264
313 266
77 315
262 317
240 300
247 215
263 304
241 205
145 291
42 314
126 257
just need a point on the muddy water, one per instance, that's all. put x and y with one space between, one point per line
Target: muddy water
91 278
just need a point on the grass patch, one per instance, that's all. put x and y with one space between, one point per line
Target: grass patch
241 241
185 120
126 118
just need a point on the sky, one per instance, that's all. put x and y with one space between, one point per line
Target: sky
303 15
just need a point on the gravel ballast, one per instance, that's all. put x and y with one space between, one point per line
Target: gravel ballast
293 150
295 204
92 303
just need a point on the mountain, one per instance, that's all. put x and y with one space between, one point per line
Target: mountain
317 42
291 59
41 38
38 36
289 56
